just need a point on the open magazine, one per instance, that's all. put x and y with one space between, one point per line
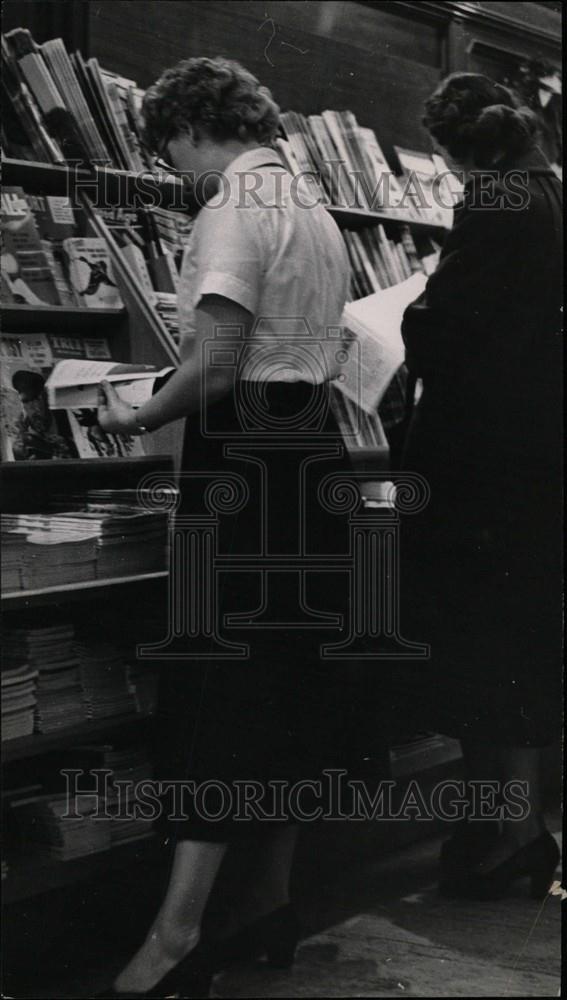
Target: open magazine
377 349
73 387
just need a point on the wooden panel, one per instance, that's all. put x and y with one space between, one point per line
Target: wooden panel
312 55
545 16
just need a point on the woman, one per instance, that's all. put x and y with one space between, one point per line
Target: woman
484 338
269 268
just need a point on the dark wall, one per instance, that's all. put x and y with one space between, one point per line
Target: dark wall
312 55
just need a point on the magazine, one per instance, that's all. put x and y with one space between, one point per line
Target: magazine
377 349
74 384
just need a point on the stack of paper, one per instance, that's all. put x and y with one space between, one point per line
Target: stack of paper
49 651
50 821
129 765
50 552
129 539
103 679
13 545
18 701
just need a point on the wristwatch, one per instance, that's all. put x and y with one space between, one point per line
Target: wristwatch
142 429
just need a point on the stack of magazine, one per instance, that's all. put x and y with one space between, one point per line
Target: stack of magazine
59 828
129 765
50 652
103 679
63 108
51 551
18 701
54 679
80 546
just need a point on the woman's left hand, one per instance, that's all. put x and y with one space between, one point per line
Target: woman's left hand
114 415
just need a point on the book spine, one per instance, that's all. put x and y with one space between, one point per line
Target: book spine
387 256
410 249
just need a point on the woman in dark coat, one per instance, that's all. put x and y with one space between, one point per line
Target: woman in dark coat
483 558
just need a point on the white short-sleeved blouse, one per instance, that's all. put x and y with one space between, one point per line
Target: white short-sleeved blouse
263 242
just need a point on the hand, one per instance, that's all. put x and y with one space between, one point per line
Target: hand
114 415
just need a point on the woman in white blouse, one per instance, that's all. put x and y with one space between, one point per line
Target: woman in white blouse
268 266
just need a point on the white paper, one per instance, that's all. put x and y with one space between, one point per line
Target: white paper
74 384
378 349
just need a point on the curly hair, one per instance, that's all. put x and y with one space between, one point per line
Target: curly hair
473 117
217 95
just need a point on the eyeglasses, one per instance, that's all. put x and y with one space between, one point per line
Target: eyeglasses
167 168
161 164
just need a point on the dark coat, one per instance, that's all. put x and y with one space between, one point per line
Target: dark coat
485 338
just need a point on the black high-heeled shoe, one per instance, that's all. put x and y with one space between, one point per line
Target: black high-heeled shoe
191 977
536 861
276 936
465 848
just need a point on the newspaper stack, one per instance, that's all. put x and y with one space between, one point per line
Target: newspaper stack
63 829
103 679
18 701
50 652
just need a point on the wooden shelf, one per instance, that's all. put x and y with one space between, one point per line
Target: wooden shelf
30 875
127 189
112 186
75 465
59 319
27 486
23 599
25 747
357 218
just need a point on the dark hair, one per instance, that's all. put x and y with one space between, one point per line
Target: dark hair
32 381
471 116
217 94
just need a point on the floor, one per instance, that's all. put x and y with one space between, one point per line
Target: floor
374 927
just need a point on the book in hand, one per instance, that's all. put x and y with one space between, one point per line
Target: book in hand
75 384
377 350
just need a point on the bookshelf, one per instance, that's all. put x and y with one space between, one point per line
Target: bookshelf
24 599
41 743
121 187
357 218
27 487
29 484
150 189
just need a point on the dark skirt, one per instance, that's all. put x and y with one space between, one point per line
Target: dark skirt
282 713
